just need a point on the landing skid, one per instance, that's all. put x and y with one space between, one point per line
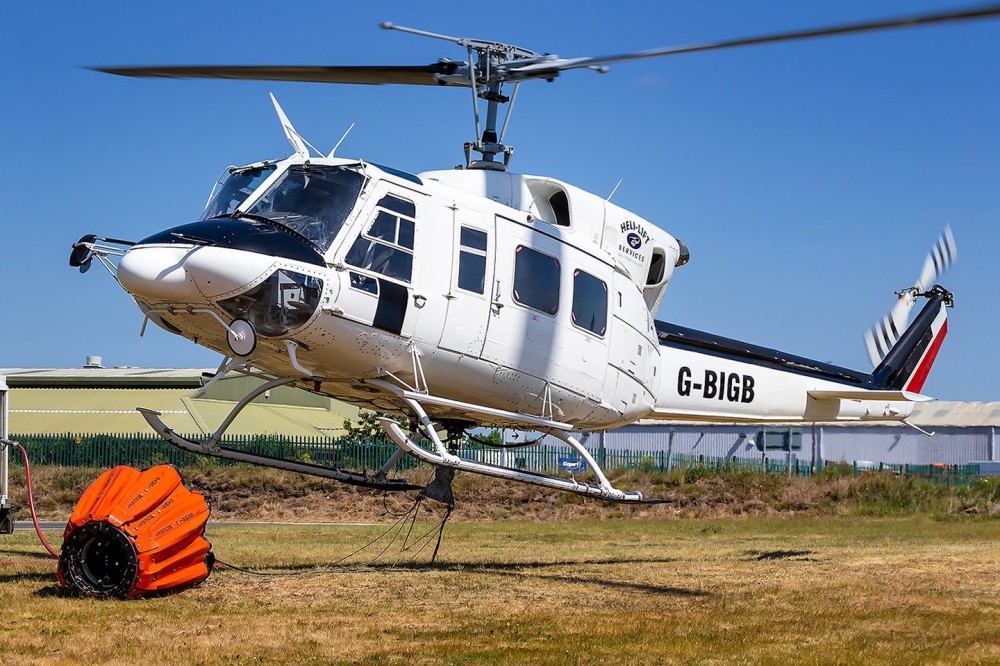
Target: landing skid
212 447
344 476
440 457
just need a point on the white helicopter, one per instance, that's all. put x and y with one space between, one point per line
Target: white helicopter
476 296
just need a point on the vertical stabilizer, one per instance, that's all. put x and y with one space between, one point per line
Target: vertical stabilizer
908 363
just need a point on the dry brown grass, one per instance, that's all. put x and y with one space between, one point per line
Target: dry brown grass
753 590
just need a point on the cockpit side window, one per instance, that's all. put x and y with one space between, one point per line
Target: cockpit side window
312 201
238 186
398 205
386 246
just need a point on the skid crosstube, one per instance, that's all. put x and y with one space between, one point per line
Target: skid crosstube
607 493
344 476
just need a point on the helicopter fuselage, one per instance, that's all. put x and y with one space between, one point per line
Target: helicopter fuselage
523 295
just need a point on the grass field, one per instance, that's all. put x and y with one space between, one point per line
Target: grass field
758 590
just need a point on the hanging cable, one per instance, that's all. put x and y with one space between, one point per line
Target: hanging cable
427 537
389 512
396 526
31 496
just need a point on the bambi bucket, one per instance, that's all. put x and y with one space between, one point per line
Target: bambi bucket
135 533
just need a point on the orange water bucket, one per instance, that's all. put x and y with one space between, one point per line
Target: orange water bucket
134 533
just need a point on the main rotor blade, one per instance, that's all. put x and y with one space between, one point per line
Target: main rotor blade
885 24
425 75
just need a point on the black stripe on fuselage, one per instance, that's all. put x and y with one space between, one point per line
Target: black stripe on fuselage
248 235
689 339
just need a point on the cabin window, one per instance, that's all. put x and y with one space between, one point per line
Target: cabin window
590 303
536 280
402 206
472 260
560 208
386 246
364 283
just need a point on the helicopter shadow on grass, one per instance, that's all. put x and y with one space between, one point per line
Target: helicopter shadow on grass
651 588
511 569
772 555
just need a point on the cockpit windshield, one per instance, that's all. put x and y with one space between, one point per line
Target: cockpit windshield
313 201
240 184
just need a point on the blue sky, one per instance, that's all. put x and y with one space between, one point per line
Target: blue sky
808 179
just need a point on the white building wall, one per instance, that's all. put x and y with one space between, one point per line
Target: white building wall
886 444
953 446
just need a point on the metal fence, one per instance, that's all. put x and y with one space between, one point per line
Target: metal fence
144 450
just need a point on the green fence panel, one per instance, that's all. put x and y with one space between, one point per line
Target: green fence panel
146 449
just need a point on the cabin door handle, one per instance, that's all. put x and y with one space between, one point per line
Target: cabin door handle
497 305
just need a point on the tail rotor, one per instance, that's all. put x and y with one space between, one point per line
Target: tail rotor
881 337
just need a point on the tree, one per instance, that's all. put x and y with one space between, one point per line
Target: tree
481 438
367 427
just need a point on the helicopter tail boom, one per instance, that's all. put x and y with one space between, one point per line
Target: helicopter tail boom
708 377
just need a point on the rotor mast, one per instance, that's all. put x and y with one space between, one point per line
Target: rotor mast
485 78
489 144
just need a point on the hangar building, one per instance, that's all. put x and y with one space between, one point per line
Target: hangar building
963 432
101 400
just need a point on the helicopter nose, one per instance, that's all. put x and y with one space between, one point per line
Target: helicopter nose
157 274
208 260
217 271
189 275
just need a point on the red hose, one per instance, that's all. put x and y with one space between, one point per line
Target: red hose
31 502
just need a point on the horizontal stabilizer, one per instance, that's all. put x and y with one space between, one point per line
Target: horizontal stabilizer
900 396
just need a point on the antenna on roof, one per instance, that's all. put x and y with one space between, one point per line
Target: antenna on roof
341 140
615 189
294 138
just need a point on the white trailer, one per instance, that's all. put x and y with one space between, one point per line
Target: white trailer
6 510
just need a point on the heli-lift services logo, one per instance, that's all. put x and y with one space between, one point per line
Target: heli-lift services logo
635 238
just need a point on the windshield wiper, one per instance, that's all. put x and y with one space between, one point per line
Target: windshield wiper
283 227
238 215
197 240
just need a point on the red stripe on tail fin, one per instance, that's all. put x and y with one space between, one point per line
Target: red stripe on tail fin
920 374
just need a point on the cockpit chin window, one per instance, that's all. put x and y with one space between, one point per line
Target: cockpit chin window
238 186
281 304
313 201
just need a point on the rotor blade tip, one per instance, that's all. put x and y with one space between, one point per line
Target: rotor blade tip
386 25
